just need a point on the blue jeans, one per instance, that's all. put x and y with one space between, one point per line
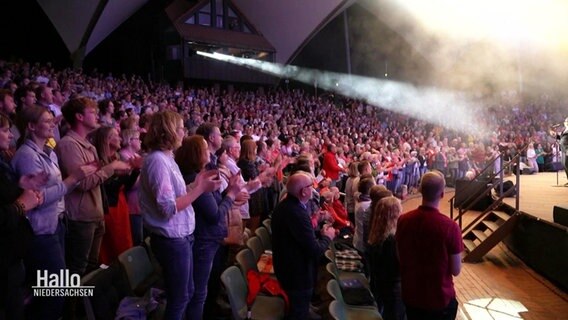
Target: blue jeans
299 304
176 259
220 263
46 253
136 229
83 242
203 254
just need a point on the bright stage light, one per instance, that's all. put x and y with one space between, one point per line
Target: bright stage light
542 22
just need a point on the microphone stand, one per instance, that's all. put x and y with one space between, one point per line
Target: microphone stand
557 148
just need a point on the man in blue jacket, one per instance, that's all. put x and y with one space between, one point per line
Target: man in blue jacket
295 247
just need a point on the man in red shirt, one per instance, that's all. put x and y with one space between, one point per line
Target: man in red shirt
429 245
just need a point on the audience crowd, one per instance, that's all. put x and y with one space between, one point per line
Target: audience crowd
96 162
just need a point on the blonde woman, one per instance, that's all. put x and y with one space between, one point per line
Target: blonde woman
385 270
352 173
131 146
165 203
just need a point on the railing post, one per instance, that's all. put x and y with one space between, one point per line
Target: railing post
501 173
517 185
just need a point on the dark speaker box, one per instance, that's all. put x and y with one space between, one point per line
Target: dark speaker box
560 215
466 193
507 185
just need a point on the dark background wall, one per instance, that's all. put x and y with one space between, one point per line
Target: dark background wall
27 33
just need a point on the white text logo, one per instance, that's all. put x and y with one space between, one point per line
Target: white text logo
62 284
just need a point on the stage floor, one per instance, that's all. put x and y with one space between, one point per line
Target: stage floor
540 193
502 286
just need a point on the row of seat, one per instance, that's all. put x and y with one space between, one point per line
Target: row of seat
340 310
348 282
135 273
268 307
234 280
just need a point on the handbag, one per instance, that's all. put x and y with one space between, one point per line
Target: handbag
235 235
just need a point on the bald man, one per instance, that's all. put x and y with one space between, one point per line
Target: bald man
295 247
429 247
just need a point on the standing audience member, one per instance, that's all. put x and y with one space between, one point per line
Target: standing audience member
84 204
250 171
44 95
211 209
47 248
353 173
342 219
106 111
363 212
165 203
8 109
383 259
212 136
429 246
131 146
531 157
117 237
295 247
330 164
16 199
233 151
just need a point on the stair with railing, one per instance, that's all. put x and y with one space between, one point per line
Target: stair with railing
493 224
487 233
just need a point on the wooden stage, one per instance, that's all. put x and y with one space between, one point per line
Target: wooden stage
502 286
540 193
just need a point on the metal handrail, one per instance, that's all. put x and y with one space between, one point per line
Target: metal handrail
462 210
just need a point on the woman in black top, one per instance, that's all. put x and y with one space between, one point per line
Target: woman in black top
385 269
17 196
250 171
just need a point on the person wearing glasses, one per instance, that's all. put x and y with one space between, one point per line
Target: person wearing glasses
295 247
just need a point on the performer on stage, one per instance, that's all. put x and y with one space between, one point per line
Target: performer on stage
563 141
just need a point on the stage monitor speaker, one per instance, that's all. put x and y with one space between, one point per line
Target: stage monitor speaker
466 193
555 166
529 171
560 215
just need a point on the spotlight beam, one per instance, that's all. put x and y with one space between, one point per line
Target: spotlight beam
436 106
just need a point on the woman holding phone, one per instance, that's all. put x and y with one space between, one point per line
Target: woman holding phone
211 209
166 206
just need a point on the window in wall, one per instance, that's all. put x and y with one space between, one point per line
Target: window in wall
220 14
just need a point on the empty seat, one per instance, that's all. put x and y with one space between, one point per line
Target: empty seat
339 310
246 262
110 286
139 270
264 307
264 236
255 245
267 223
